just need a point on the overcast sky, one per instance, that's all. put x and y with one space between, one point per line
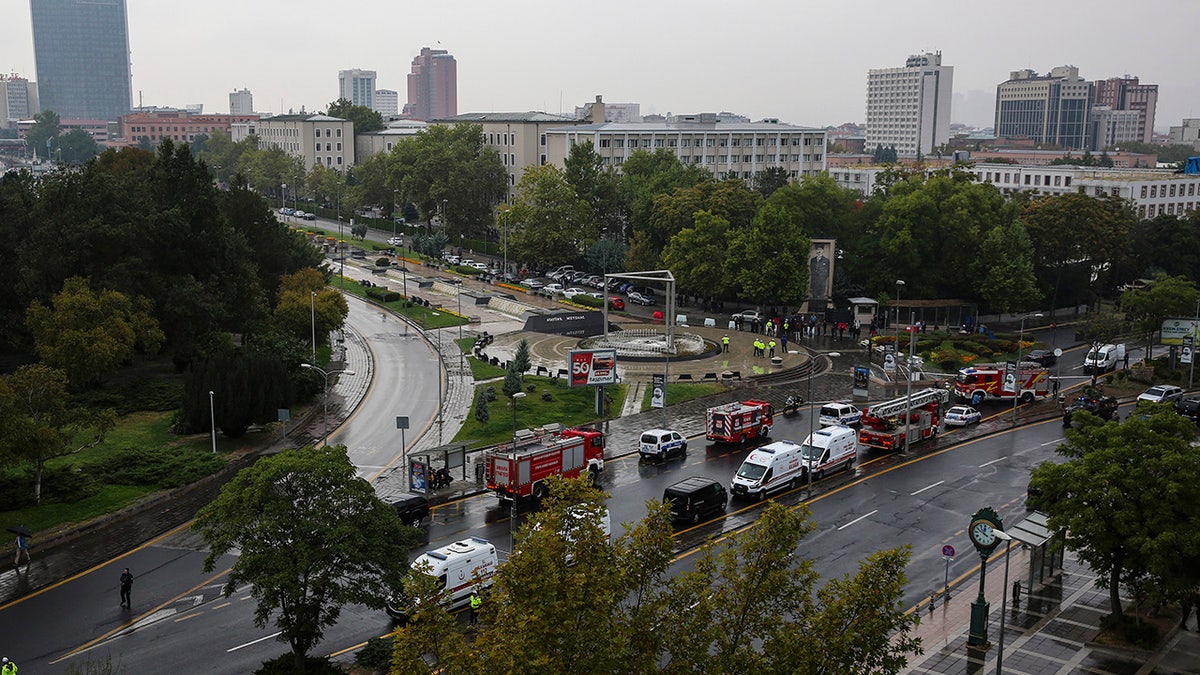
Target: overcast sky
802 61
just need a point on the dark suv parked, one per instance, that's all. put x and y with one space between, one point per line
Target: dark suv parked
1189 408
1104 407
692 498
411 507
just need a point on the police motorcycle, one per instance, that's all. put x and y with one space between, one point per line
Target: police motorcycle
792 404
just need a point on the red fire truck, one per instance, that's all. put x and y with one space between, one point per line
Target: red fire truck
883 423
738 421
986 381
520 469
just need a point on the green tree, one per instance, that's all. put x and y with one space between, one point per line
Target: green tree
312 537
90 333
482 414
430 243
768 261
596 185
1005 269
512 381
550 225
1165 298
696 255
325 183
1099 505
521 361
304 300
77 146
606 255
644 175
364 118
371 187
45 130
39 422
767 181
248 387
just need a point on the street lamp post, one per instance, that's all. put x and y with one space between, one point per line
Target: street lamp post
512 514
1007 539
282 191
1192 368
212 417
325 396
341 248
896 345
912 343
395 196
1017 383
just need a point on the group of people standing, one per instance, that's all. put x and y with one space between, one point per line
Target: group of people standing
762 347
800 326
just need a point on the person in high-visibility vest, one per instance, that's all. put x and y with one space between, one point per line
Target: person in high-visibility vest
9 668
771 346
725 344
476 603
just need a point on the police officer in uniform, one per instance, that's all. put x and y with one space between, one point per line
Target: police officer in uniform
476 603
725 344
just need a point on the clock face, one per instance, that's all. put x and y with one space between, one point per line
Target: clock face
982 534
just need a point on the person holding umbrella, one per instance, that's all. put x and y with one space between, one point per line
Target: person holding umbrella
23 535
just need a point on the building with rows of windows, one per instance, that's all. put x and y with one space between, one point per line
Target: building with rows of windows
909 108
317 139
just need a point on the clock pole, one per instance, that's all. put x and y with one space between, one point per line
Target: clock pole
982 533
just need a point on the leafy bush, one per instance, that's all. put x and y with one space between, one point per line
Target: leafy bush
383 262
157 394
285 664
376 654
60 484
587 301
465 269
157 467
382 294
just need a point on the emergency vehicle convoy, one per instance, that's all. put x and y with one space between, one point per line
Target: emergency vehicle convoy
738 421
986 381
519 470
883 423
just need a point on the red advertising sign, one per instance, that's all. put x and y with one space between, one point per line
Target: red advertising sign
593 366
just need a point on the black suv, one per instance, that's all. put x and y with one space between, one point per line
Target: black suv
1189 408
1042 357
411 507
692 498
1104 407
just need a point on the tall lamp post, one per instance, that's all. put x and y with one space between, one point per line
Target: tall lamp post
312 308
1007 539
896 345
512 515
282 192
912 344
1017 383
1192 368
325 396
212 418
395 196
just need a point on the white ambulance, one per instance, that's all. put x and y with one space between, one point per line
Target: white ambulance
461 569
772 467
830 449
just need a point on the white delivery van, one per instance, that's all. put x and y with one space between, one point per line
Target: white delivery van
460 568
840 413
1103 359
830 449
772 467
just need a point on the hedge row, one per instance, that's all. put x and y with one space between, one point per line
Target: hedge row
382 294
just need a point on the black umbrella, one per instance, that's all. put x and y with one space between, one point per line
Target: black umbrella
21 530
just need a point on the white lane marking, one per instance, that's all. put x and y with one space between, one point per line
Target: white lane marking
998 459
1057 440
913 494
252 642
857 519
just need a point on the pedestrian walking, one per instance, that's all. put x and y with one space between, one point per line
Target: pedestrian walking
126 587
771 347
783 341
476 603
22 549
9 668
725 344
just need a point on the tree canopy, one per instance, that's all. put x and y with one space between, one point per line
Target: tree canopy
364 118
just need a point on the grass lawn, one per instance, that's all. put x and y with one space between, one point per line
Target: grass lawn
570 406
678 393
425 316
110 499
484 371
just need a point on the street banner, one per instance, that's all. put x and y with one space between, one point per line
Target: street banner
593 366
1188 344
658 390
1010 377
889 358
862 382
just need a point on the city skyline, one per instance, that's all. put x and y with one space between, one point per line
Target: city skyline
807 64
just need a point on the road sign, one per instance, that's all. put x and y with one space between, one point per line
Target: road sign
948 551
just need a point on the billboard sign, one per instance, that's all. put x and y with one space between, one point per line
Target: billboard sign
1010 377
658 390
593 366
1173 330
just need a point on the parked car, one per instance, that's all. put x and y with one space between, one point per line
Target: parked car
695 497
395 241
1042 357
288 211
962 415
749 315
553 289
532 282
298 214
1163 393
450 259
616 303
593 281
640 299
572 292
1189 408
661 444
481 266
412 508
310 216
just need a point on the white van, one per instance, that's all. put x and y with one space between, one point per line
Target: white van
772 467
1104 358
461 569
830 449
840 413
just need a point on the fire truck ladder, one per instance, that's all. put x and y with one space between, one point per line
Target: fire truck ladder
902 404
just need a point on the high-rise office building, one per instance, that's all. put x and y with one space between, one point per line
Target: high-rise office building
387 102
18 100
241 102
432 86
1126 93
357 86
1051 109
82 52
909 108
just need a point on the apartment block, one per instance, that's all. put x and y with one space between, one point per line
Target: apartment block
317 139
241 102
357 86
909 108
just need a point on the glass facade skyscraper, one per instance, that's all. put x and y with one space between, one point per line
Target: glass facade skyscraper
82 52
